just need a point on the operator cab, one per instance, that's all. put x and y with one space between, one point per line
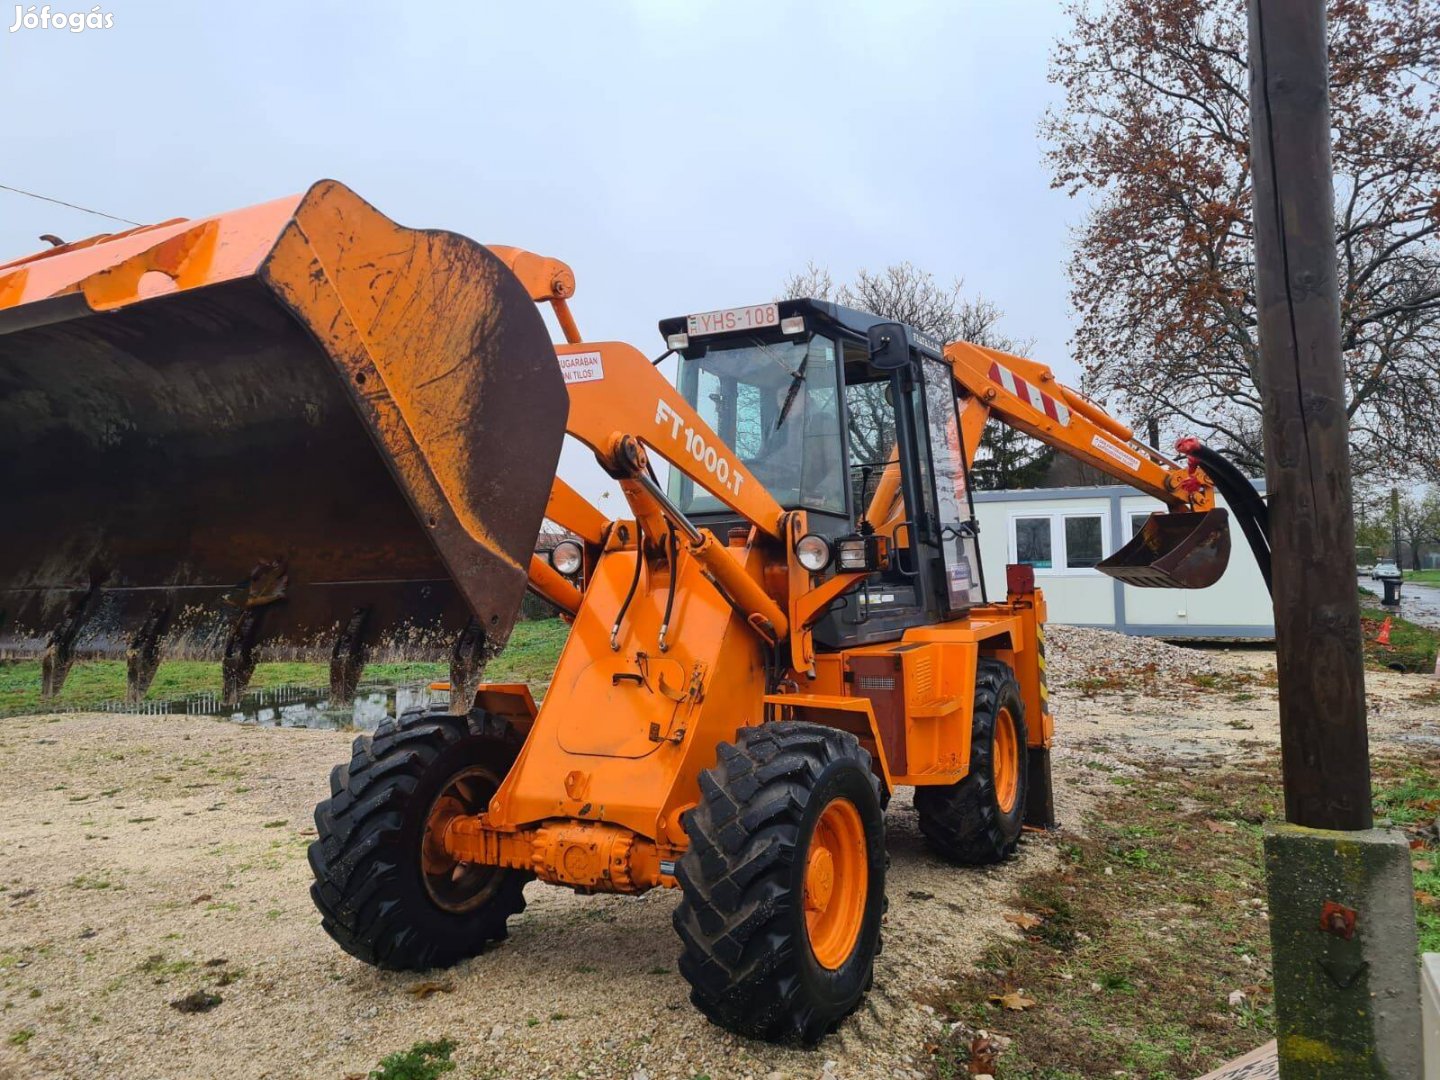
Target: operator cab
852 419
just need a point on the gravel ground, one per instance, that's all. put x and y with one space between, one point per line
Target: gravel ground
1075 653
145 858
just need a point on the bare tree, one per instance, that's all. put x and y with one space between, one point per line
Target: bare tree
907 294
1154 130
1419 522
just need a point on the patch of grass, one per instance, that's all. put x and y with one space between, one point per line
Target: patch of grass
1409 795
156 964
423 1061
92 881
1423 577
531 653
1230 682
1412 647
1151 920
1146 929
1090 685
529 657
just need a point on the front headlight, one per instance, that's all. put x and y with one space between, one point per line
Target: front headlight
813 552
567 557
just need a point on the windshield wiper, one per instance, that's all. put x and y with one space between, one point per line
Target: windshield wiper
795 381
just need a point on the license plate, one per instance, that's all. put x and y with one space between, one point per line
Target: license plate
732 319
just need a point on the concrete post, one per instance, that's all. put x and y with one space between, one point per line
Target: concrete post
1342 924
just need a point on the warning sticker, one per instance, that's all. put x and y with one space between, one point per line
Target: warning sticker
581 367
1109 449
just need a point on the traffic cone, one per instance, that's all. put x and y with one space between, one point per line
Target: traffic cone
1383 638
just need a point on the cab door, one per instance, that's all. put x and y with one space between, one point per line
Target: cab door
961 582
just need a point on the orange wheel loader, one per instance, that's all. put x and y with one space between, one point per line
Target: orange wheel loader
300 429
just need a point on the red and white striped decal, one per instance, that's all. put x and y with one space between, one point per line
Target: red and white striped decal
1041 401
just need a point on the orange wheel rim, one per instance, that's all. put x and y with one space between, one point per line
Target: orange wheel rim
1006 761
837 879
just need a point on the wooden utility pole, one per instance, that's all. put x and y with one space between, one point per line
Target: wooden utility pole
1341 893
1324 745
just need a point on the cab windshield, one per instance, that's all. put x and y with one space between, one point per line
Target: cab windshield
777 406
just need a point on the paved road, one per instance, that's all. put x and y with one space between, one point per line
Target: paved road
1418 603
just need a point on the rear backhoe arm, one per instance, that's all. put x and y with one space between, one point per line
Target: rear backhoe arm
1026 395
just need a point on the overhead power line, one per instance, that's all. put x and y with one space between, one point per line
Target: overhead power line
72 206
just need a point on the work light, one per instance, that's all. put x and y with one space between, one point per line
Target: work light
567 557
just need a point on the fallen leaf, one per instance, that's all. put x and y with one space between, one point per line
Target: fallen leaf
1219 826
422 990
1424 899
983 1054
1418 844
1014 1001
1024 920
1238 998
1423 866
202 898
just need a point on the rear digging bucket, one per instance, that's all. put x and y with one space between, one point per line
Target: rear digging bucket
1174 551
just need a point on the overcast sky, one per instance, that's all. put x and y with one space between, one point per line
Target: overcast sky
681 156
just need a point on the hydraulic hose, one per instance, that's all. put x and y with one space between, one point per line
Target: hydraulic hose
634 583
1245 502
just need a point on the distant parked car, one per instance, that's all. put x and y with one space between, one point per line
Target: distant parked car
1383 569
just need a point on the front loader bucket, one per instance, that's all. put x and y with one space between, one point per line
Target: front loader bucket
292 431
1174 551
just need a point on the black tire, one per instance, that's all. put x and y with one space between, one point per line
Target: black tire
374 895
965 822
747 950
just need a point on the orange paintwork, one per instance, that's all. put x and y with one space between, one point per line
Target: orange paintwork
1089 425
836 884
119 268
612 756
634 399
1006 760
553 585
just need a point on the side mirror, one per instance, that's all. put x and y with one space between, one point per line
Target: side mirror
889 346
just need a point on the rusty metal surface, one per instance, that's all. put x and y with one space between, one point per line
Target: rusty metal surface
1174 551
344 455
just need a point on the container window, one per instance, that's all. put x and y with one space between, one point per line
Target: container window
1083 542
1032 542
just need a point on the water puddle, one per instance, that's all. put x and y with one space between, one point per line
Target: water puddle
1418 603
294 706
